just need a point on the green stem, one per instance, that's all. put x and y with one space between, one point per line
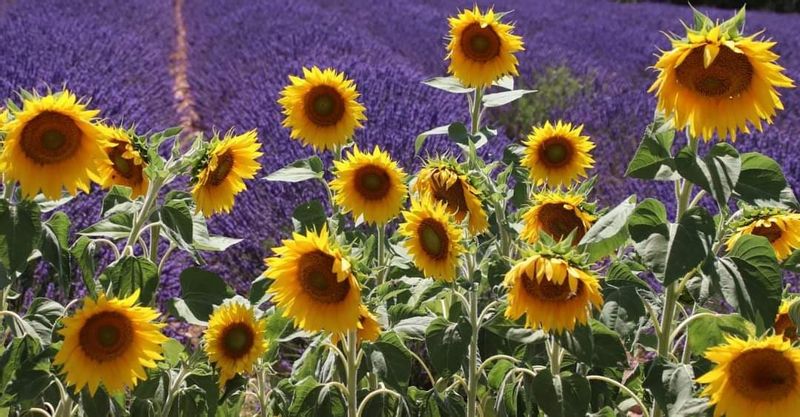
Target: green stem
477 104
555 357
174 388
381 237
473 371
8 190
141 218
622 387
155 235
352 373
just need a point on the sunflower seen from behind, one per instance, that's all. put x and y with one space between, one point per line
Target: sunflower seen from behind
754 377
124 164
432 239
369 185
481 47
557 154
235 339
780 227
109 342
321 108
717 81
314 284
444 180
51 144
784 325
220 175
557 213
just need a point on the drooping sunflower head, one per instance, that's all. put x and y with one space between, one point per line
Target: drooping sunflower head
321 108
109 341
234 340
753 374
370 185
125 162
715 80
481 48
784 325
557 154
780 227
558 214
51 144
314 283
444 180
432 239
220 175
552 292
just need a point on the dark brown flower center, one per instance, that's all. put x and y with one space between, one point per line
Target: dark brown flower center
480 43
546 290
558 222
318 279
125 166
727 77
324 105
452 196
434 239
771 232
373 182
237 340
106 336
763 375
556 151
50 138
785 326
224 167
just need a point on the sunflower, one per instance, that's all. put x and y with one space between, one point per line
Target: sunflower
558 214
753 377
52 144
784 325
716 80
124 165
110 341
234 339
432 239
553 293
443 181
782 229
221 175
314 283
368 327
321 108
370 185
481 48
557 154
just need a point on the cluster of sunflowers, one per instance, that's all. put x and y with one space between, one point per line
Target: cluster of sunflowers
499 289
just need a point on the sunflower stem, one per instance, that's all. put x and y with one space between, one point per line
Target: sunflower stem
155 234
174 388
473 371
381 237
623 388
8 190
352 373
477 105
141 218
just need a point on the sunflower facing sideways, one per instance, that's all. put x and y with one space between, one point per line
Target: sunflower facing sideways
109 341
755 377
558 214
716 80
368 327
124 165
432 239
314 283
552 292
52 144
557 154
780 227
783 322
481 48
321 108
443 180
221 174
234 340
370 185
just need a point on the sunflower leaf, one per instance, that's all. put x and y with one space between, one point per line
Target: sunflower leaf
501 99
653 159
717 173
420 140
449 84
297 171
609 231
761 179
20 233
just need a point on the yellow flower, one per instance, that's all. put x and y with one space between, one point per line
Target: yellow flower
124 164
230 161
370 185
481 48
52 144
782 230
110 341
558 214
321 108
432 239
553 294
234 340
783 323
314 283
368 327
753 378
716 83
443 181
557 154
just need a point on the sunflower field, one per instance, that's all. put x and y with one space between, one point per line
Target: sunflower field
386 209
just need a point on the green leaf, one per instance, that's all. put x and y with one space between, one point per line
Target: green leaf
567 395
649 229
97 405
717 173
42 316
761 279
761 179
458 133
609 232
309 216
55 247
20 233
449 84
690 243
390 360
653 159
115 196
176 215
505 82
83 251
297 171
595 344
708 331
200 291
129 274
671 385
420 140
448 344
622 306
500 99
115 226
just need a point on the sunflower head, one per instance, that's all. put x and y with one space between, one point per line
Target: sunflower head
321 108
219 176
557 154
125 161
314 283
755 374
370 185
443 180
51 143
109 341
781 227
369 328
481 48
235 339
553 291
432 239
559 214
784 325
717 81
